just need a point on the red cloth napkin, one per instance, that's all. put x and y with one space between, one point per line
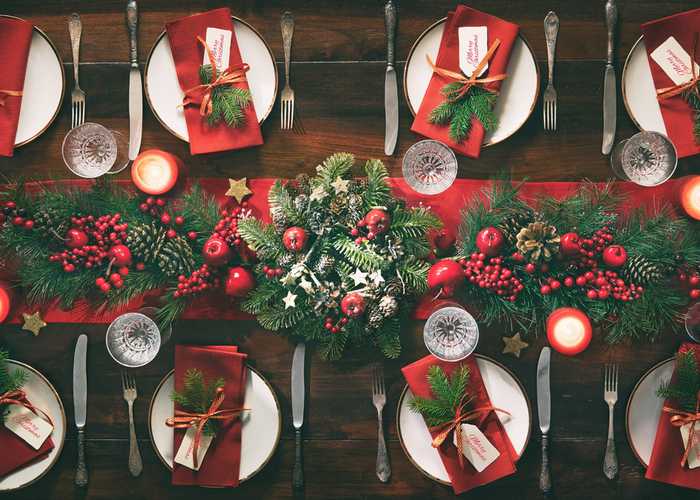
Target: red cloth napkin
188 54
221 464
665 462
448 58
16 453
467 478
15 38
677 114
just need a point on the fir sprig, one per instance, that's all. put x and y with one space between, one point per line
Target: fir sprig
449 394
459 111
198 396
9 380
228 102
686 389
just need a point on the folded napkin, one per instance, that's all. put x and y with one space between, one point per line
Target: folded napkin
221 464
188 55
665 462
15 38
448 58
677 114
17 453
467 478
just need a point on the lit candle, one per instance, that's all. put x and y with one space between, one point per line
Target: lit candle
5 299
569 330
690 196
155 171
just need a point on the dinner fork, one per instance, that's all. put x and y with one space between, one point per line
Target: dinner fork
379 400
129 388
549 107
77 96
610 396
287 98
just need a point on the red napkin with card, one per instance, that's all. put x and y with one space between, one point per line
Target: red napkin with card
17 453
467 478
188 54
677 113
448 58
220 467
15 39
664 465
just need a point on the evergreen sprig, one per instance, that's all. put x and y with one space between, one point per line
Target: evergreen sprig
459 110
198 396
9 380
448 392
228 102
686 388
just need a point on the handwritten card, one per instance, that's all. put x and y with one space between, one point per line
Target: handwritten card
473 46
476 447
28 425
694 455
219 41
675 61
184 453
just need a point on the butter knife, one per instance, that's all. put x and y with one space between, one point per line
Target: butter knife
391 95
544 414
298 392
80 406
610 82
135 88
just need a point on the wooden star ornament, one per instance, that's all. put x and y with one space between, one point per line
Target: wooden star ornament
514 345
33 322
238 189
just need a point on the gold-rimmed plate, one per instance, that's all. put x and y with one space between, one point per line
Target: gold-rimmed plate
517 97
261 430
505 391
164 94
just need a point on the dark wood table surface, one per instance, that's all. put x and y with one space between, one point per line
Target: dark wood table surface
338 68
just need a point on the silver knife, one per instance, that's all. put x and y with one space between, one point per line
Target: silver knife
544 413
609 85
80 405
391 95
298 391
135 88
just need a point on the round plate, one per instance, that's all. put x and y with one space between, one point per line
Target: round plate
505 392
518 94
44 85
644 410
166 98
638 91
262 426
42 394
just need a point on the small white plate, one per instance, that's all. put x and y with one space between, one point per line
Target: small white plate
41 394
164 94
644 410
262 425
505 392
518 94
44 84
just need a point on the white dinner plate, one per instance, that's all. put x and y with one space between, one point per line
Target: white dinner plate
262 425
44 84
644 410
638 91
505 392
41 394
518 94
164 94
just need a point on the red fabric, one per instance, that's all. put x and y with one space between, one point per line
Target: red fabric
188 54
16 453
467 478
665 462
677 114
448 58
221 464
15 38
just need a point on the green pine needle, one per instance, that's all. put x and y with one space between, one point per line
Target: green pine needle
9 380
448 395
459 111
686 389
197 396
228 103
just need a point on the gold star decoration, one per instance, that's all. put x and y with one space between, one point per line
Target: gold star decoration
514 345
238 189
33 322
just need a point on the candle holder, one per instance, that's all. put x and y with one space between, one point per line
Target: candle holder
569 330
451 333
690 196
155 172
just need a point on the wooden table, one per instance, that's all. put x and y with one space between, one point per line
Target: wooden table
338 71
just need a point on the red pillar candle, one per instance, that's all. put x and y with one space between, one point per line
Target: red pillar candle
690 196
5 300
155 171
569 330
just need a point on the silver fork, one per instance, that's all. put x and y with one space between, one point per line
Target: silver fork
549 107
610 396
379 400
287 98
77 96
130 394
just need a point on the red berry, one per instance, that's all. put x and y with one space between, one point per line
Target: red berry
171 233
150 200
592 294
192 235
160 202
568 282
140 266
555 284
693 281
124 271
143 207
603 294
18 221
114 277
545 289
100 281
165 218
530 268
581 280
69 268
695 294
105 287
179 220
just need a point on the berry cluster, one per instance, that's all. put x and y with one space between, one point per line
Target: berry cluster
227 227
18 216
376 222
116 280
492 275
272 272
157 208
335 325
200 280
692 280
590 248
599 285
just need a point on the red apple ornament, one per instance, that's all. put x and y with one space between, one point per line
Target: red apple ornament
353 305
76 238
446 275
239 282
489 241
216 252
615 256
294 238
377 221
120 255
444 240
570 244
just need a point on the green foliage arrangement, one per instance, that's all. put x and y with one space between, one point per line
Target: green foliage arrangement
449 395
228 102
686 388
198 396
9 380
458 110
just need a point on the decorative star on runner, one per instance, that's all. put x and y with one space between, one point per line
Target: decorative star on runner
376 277
288 280
33 322
340 185
318 193
514 345
289 300
359 277
238 189
306 285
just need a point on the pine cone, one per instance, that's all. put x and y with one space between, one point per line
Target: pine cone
175 257
641 271
280 221
375 318
303 183
512 225
287 259
388 306
145 241
324 265
355 208
394 288
538 241
49 223
301 203
338 204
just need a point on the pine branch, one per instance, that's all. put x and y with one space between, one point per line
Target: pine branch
377 192
481 102
448 395
414 273
336 165
198 396
461 123
281 203
443 113
414 223
389 338
9 380
358 255
686 388
261 238
261 297
228 102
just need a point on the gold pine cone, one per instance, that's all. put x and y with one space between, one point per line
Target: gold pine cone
538 241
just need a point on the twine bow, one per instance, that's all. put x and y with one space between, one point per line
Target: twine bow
473 80
692 85
454 425
680 418
185 419
19 397
4 94
229 76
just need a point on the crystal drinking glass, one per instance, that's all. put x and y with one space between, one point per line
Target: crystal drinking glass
646 158
133 339
451 333
429 167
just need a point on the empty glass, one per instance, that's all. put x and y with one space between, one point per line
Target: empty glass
451 333
429 167
133 339
646 158
91 150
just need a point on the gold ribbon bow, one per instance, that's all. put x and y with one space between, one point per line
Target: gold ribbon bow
454 425
692 85
4 94
680 418
471 81
185 419
229 76
19 397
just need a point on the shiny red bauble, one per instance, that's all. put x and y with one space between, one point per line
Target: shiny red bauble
76 238
378 221
489 241
120 255
615 256
239 282
445 275
294 239
353 305
570 244
216 252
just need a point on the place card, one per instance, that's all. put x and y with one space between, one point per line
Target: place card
473 46
675 61
184 453
694 455
29 426
476 447
219 41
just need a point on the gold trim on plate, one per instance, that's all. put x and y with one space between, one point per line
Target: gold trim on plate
622 84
